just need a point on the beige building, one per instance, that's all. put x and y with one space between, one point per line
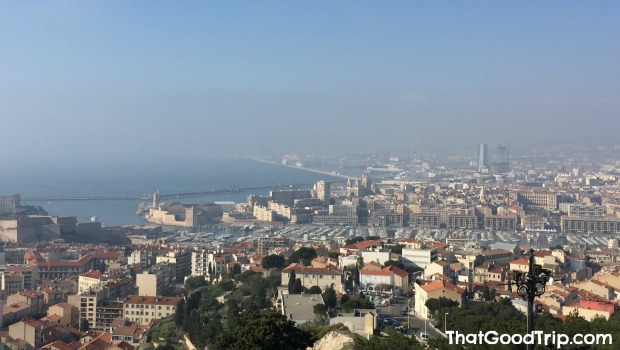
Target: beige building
592 224
264 245
263 213
182 215
437 290
12 282
182 260
89 280
311 276
500 222
467 222
29 329
69 314
14 312
146 309
536 200
87 306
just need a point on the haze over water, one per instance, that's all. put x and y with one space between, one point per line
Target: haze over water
141 178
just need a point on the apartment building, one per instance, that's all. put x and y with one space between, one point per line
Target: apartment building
590 224
311 276
144 309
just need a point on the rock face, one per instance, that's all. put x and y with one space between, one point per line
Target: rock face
333 341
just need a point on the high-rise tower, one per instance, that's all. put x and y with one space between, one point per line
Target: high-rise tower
322 191
483 161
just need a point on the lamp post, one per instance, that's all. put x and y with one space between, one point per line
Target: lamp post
529 286
445 322
408 313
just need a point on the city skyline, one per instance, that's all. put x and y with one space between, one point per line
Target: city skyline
126 80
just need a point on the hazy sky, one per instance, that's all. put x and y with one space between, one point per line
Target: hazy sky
114 78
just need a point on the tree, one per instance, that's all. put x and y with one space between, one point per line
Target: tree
303 255
291 281
236 269
244 276
358 303
394 340
354 240
333 255
269 330
179 312
273 261
297 287
84 325
398 248
165 346
398 264
315 290
232 314
435 304
320 310
195 282
329 297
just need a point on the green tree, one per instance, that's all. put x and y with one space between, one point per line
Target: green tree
329 297
434 304
84 325
333 255
320 310
242 277
398 248
165 346
303 255
315 290
357 303
236 269
232 314
273 261
297 287
354 240
179 312
195 282
398 264
266 331
291 281
394 340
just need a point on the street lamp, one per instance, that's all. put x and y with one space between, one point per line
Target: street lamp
408 313
445 322
529 286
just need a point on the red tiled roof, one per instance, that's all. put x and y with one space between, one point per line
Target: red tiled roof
310 270
520 261
92 274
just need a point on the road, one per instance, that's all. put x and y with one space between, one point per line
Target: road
417 324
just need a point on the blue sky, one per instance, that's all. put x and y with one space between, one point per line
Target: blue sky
83 78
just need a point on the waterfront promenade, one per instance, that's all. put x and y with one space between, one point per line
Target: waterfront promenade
318 171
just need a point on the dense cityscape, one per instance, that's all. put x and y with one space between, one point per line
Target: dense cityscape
312 175
386 259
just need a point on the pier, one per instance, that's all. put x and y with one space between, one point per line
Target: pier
162 196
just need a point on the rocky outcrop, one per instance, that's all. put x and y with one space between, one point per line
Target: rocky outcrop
333 341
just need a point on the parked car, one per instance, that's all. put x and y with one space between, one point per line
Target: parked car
424 336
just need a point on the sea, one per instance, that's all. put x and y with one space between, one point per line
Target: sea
142 178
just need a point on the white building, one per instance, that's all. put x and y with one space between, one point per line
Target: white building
419 257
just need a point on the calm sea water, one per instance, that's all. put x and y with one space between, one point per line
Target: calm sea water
142 178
